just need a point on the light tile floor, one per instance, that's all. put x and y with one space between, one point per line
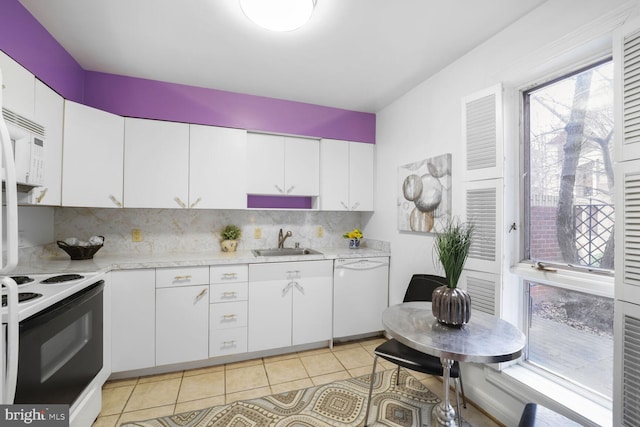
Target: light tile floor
159 395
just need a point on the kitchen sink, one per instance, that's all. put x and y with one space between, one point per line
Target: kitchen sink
285 252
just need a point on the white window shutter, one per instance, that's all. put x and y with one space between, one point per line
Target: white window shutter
483 290
484 209
627 257
626 381
626 399
482 134
626 55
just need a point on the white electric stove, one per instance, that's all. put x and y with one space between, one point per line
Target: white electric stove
40 291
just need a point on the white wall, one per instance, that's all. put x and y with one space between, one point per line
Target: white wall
426 122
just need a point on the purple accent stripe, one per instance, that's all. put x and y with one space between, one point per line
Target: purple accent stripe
28 42
277 202
24 39
136 97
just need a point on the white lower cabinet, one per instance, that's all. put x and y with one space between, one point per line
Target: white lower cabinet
290 303
133 327
182 315
228 311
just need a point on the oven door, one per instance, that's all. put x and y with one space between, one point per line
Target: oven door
61 349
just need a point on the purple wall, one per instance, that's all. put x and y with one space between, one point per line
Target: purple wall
27 42
135 97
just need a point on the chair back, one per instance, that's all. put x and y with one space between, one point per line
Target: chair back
421 287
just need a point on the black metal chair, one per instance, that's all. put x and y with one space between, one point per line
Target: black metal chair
537 415
420 288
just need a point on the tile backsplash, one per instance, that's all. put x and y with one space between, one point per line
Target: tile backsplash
192 230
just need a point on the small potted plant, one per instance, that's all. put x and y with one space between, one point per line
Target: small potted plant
230 235
354 237
451 305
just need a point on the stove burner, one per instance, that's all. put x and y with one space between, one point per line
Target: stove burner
22 296
62 278
21 280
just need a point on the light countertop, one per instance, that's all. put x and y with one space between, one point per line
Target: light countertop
109 262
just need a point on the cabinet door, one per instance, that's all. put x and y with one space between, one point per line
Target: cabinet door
133 308
269 315
18 87
334 174
49 112
182 324
92 157
361 166
312 314
301 167
217 171
265 164
156 164
270 300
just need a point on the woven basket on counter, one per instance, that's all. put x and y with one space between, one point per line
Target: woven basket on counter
80 252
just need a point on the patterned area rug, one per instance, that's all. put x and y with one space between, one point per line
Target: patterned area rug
338 404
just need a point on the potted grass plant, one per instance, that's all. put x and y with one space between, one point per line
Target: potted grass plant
230 235
450 304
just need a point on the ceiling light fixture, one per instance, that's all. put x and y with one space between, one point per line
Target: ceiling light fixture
278 15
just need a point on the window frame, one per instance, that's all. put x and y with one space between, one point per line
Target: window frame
522 270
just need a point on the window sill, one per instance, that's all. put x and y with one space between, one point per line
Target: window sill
529 386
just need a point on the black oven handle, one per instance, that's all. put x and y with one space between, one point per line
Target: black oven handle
64 305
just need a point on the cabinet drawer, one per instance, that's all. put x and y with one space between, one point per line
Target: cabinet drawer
182 276
291 270
229 273
227 315
228 292
227 341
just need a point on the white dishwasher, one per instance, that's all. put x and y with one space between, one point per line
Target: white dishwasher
360 295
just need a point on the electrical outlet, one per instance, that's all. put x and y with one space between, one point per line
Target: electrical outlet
320 231
136 235
257 233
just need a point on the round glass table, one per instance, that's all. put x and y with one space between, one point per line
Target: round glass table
485 339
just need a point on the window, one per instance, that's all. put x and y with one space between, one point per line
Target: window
569 219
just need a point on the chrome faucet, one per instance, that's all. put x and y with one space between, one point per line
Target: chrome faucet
282 238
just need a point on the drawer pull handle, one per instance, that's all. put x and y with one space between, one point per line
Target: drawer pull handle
198 200
229 316
115 201
179 201
228 343
229 294
187 277
229 275
42 194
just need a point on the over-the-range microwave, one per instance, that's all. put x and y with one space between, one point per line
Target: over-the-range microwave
27 139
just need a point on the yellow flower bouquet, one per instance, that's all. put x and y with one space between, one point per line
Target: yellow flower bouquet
355 234
354 237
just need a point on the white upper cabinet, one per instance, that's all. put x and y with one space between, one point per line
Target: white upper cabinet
156 164
217 159
282 165
18 87
49 112
92 157
346 175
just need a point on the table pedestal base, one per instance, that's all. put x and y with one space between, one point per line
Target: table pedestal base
443 415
